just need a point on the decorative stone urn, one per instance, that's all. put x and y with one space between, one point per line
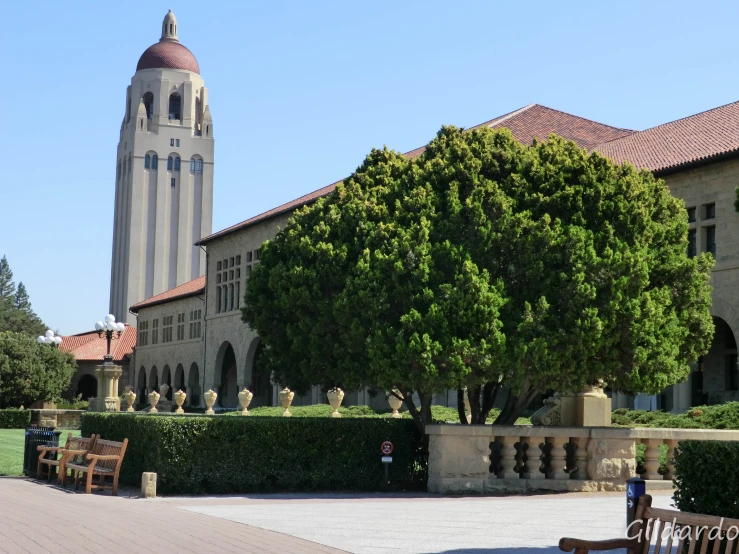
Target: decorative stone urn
395 403
210 399
153 399
335 396
286 398
164 389
179 398
245 397
130 398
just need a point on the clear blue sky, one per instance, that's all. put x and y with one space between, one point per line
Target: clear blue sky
301 91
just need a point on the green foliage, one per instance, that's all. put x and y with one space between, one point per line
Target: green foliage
706 478
213 454
13 418
487 264
736 199
30 371
75 404
16 313
719 416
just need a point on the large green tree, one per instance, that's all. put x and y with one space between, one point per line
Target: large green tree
489 265
30 371
16 313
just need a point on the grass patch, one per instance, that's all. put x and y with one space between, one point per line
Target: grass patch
11 449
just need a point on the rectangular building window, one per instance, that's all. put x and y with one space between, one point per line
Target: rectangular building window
248 257
167 328
195 317
691 244
218 300
177 143
709 211
227 279
180 326
732 372
711 240
171 142
155 331
143 333
173 182
691 215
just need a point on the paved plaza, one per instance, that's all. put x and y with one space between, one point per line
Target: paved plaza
35 517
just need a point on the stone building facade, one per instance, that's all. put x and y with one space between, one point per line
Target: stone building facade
703 174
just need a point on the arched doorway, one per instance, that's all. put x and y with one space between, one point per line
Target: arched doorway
718 367
261 384
87 386
193 385
141 391
153 380
167 380
179 379
226 375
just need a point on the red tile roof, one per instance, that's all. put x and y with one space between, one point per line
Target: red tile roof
191 288
533 121
692 139
90 347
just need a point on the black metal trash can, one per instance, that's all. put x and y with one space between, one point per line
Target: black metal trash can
36 436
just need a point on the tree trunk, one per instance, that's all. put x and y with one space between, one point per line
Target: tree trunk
489 393
473 395
417 415
516 404
460 407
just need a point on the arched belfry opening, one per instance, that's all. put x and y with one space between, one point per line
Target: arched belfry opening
149 104
175 106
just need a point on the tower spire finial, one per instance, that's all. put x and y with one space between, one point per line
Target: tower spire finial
169 27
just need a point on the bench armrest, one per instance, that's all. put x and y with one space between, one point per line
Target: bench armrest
42 448
102 458
568 545
69 453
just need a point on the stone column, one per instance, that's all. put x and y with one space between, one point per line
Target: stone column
107 376
559 457
651 459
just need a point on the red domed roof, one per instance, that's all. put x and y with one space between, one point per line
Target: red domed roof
168 54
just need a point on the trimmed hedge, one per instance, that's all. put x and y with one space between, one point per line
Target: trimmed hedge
706 477
220 455
719 416
13 418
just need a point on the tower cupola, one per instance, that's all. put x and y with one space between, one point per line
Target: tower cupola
169 27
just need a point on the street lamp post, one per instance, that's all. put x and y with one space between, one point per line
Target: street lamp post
108 373
109 329
49 338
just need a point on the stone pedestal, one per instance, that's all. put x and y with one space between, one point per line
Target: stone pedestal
588 408
148 485
107 398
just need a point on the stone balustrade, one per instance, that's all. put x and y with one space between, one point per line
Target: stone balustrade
524 458
61 419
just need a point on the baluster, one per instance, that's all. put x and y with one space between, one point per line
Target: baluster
508 457
559 457
651 459
671 445
580 444
531 453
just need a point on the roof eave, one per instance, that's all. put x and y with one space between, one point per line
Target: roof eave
693 164
135 308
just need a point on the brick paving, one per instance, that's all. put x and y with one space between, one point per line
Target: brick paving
39 518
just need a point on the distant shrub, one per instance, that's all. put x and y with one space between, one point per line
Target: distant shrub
15 419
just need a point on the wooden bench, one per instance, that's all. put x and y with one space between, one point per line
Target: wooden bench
669 531
104 460
73 443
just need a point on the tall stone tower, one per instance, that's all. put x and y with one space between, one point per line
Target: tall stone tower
164 176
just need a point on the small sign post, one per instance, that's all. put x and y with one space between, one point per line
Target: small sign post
386 448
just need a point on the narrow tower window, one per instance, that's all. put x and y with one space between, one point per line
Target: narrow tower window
149 104
175 106
147 162
177 164
154 162
192 165
169 163
200 166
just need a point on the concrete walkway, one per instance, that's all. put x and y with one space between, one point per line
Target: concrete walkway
35 518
